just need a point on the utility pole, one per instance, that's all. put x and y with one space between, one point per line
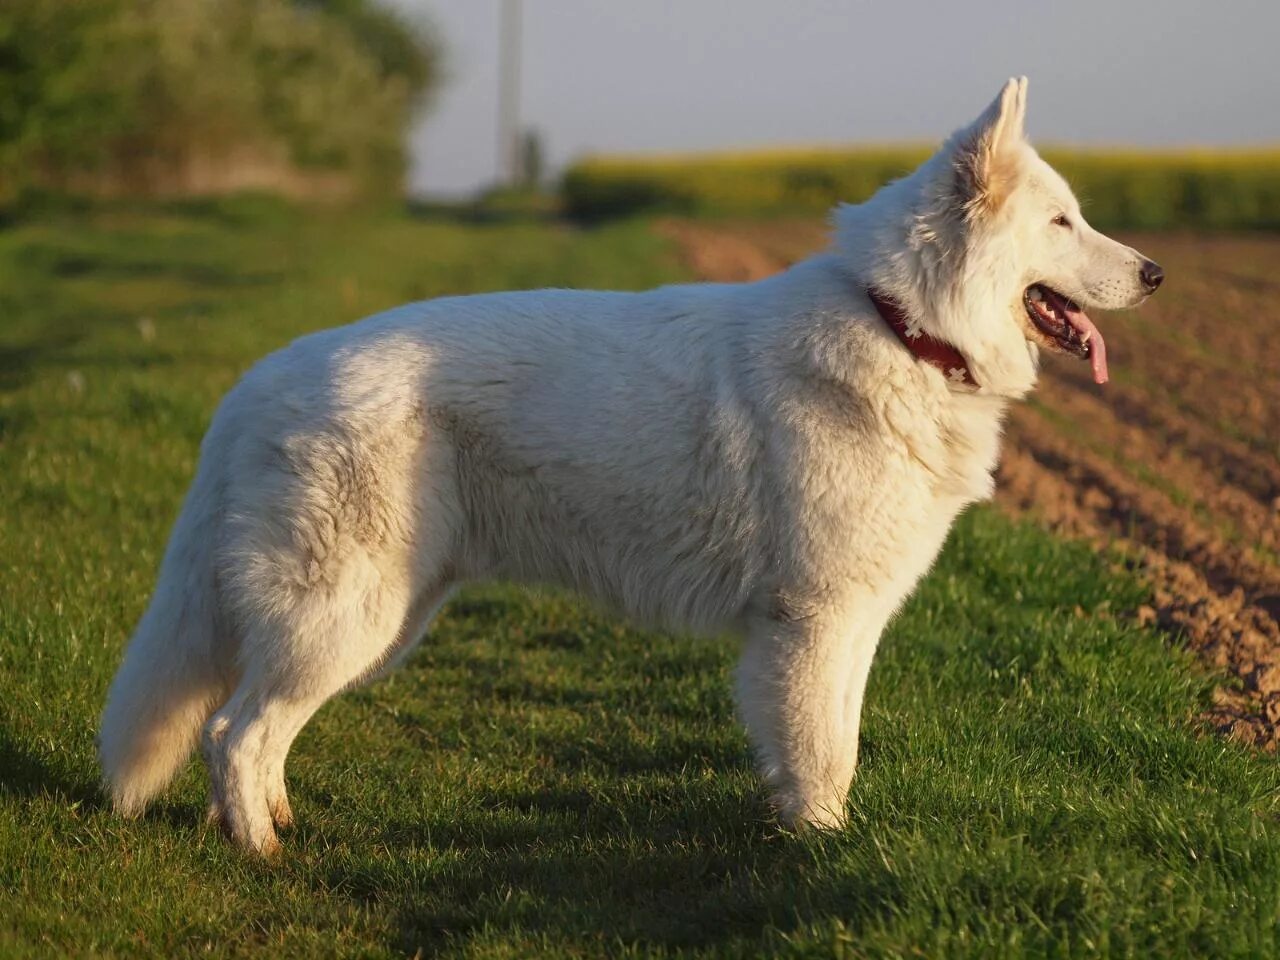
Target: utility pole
509 93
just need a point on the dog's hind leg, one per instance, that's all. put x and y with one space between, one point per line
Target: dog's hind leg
295 659
276 752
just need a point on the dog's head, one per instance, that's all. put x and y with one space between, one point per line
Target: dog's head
1064 266
997 258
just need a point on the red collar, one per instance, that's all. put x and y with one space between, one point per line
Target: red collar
935 352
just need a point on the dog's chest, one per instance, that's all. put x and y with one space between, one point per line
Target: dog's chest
953 444
971 440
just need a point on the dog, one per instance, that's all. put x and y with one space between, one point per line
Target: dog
781 459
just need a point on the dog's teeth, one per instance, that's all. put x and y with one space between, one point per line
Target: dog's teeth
1037 293
1084 337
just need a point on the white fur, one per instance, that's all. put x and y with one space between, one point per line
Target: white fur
765 458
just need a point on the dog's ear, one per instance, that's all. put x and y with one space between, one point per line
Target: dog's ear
986 154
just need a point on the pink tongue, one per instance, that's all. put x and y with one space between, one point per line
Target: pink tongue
1097 347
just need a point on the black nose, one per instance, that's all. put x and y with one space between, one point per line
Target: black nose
1151 274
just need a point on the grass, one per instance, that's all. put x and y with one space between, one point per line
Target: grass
543 779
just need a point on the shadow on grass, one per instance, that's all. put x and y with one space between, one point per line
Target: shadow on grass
29 777
516 209
620 843
18 361
64 264
564 868
562 865
20 364
25 773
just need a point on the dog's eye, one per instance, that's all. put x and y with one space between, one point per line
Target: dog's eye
1061 220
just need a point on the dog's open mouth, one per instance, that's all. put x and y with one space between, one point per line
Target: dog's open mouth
1066 326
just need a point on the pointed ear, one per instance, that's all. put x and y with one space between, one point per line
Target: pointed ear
986 153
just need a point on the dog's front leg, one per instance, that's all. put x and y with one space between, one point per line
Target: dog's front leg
800 687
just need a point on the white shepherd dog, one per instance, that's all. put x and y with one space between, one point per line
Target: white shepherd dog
782 459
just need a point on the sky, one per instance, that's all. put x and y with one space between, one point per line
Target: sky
673 75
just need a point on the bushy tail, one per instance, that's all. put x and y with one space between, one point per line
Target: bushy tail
169 683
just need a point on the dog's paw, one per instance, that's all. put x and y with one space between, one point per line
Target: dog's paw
254 834
800 813
281 812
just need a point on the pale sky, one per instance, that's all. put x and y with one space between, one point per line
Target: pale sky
666 75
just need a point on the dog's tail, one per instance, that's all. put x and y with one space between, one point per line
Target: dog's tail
170 681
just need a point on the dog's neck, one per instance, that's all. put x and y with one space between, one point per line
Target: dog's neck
927 349
912 244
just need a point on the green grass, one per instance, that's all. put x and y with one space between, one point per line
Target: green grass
543 779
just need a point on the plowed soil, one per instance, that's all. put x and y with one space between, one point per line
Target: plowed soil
1174 465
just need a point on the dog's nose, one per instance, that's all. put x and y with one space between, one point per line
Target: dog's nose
1151 274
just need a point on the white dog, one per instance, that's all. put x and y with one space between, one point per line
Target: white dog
782 459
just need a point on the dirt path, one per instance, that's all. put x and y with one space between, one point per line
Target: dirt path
1175 464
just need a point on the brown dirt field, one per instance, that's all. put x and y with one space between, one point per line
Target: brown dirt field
1174 465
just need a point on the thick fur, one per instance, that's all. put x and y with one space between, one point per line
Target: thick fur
765 458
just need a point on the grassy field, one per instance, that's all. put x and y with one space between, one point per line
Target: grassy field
543 779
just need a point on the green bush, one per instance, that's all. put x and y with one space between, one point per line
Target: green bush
188 96
1194 189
